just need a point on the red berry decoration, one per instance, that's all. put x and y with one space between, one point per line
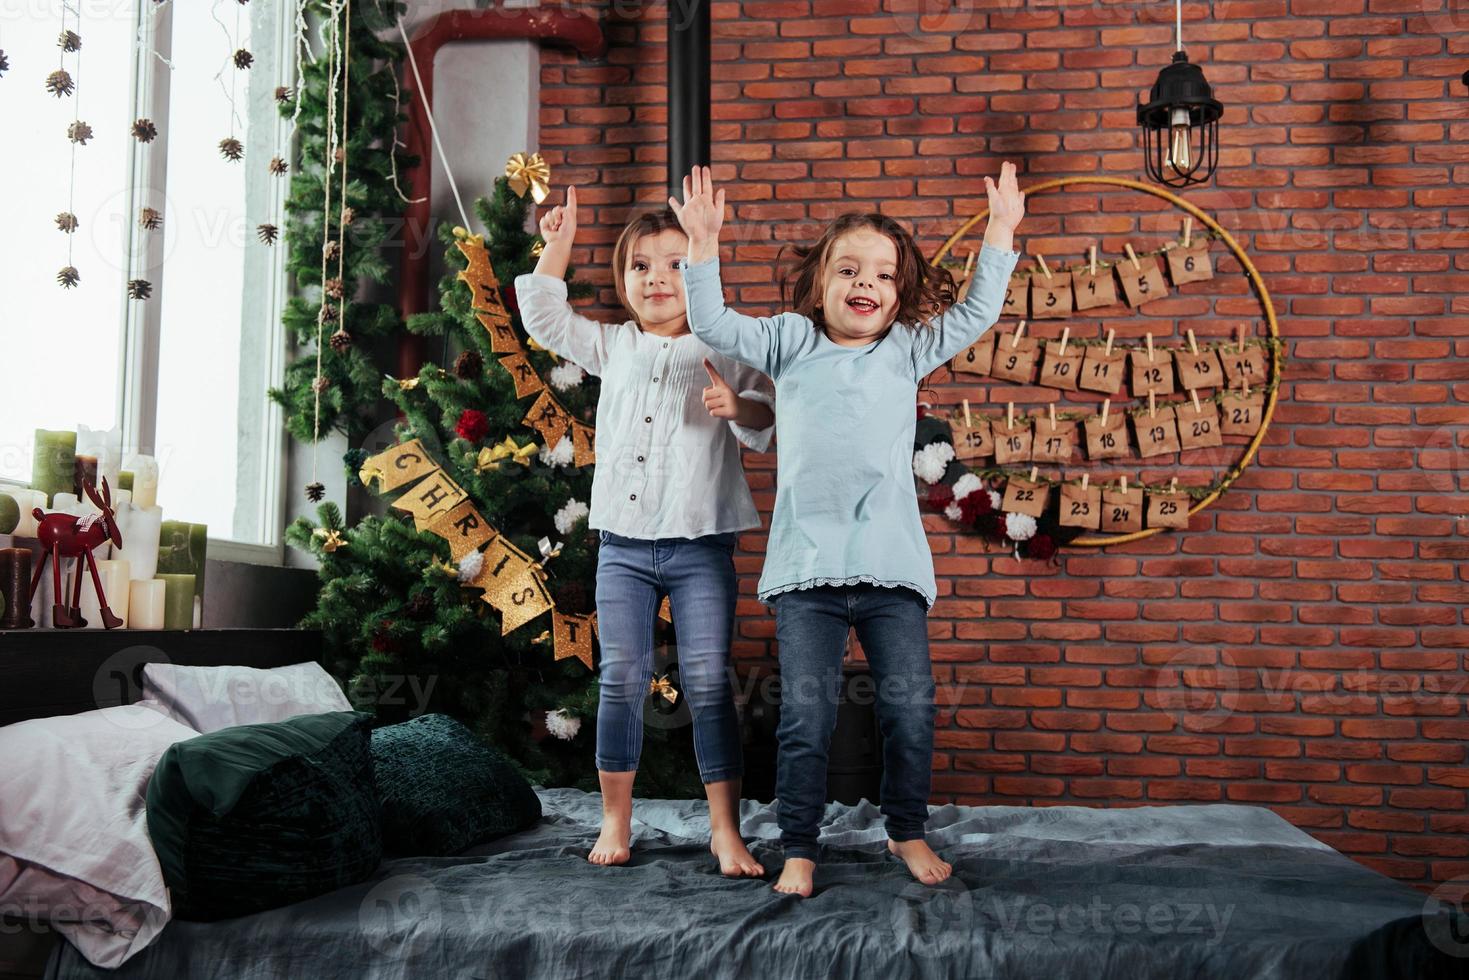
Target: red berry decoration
472 425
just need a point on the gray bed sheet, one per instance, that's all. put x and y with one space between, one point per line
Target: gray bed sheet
1140 892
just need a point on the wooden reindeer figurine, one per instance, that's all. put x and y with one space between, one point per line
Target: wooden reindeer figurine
68 536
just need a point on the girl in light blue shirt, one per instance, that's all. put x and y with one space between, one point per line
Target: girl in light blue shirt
847 547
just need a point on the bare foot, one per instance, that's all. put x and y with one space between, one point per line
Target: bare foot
612 842
795 878
735 859
922 862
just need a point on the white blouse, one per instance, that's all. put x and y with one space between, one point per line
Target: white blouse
665 467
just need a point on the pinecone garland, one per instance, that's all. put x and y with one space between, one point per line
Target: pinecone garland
4 63
420 606
150 219
79 132
278 167
59 83
348 216
67 222
341 341
329 313
321 383
331 249
139 289
231 149
267 233
69 41
243 59
315 492
144 131
468 365
68 277
333 288
339 154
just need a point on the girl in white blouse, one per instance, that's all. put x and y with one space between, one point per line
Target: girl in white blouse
668 495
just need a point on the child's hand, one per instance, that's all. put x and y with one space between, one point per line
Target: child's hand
719 398
702 211
558 226
1007 202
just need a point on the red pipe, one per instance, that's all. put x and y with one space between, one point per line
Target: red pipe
580 31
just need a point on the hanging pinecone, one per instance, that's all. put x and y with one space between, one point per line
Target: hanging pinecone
420 606
243 59
79 132
315 492
139 289
278 167
468 365
68 277
58 83
283 94
267 233
144 130
331 249
348 216
321 383
329 313
341 341
4 63
69 41
67 222
339 154
231 149
333 288
150 219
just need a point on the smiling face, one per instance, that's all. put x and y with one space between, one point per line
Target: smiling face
859 287
652 284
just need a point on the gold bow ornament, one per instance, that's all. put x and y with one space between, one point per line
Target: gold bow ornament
662 686
489 457
531 173
331 540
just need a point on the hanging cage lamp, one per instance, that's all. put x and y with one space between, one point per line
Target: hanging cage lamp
1180 122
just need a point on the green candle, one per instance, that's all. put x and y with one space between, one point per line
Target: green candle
9 513
178 601
198 552
125 480
53 466
182 550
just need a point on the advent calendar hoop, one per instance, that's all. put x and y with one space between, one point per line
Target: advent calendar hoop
1257 284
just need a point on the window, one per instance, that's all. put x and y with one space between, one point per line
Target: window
197 357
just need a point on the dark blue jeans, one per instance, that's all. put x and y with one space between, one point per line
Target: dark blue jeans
811 630
698 576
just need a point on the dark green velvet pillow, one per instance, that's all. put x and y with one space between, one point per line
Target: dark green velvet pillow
443 789
259 816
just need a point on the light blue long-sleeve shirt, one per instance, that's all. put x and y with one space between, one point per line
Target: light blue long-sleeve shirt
846 509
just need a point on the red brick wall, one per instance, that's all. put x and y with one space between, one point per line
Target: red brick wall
1329 581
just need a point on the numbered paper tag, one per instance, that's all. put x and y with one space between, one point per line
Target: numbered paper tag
1012 445
973 441
1024 497
1242 415
1168 510
976 358
1199 430
1050 298
1018 362
1081 508
1154 375
1190 264
1092 291
1053 445
1109 441
1199 370
1157 435
1240 367
1061 371
1015 291
1122 512
1141 285
1101 371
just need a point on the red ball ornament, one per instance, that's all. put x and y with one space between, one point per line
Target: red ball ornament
472 425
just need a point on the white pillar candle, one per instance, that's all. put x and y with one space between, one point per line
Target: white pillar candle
106 445
114 576
145 479
46 592
140 541
145 604
28 500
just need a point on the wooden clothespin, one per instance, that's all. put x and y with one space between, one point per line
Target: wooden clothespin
967 423
1124 483
1091 259
1241 329
1085 478
1052 408
1033 471
1188 225
1244 384
1009 415
1106 404
1173 485
1111 334
1194 394
1150 347
1015 337
963 289
1152 404
1193 345
1133 256
1044 268
1065 334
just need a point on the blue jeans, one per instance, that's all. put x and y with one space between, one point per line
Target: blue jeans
698 576
811 630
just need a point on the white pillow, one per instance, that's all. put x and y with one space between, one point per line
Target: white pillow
210 698
74 846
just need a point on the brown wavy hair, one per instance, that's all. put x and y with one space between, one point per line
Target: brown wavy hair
924 291
647 223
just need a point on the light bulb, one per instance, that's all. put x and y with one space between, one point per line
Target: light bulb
1179 155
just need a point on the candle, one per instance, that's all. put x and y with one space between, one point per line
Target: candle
125 480
198 552
178 601
84 470
145 604
67 503
15 584
28 500
183 548
106 446
53 466
140 530
145 479
114 578
9 513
